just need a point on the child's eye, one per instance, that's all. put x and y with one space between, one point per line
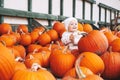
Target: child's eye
71 24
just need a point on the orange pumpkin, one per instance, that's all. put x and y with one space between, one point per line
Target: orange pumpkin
6 63
44 39
115 44
33 74
5 28
87 28
112 65
81 75
25 39
33 47
22 28
21 49
19 65
110 36
7 40
94 41
31 60
53 34
59 27
80 27
61 60
92 61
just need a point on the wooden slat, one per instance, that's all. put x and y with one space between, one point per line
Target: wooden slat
107 7
26 14
91 1
61 7
74 7
1 5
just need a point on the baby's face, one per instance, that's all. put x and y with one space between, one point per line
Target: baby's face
73 26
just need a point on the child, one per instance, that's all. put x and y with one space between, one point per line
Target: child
72 35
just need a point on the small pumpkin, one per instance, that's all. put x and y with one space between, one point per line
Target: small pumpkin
115 44
87 27
22 28
25 39
5 28
59 27
53 34
44 39
21 49
80 27
33 47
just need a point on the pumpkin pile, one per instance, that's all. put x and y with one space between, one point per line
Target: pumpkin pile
39 54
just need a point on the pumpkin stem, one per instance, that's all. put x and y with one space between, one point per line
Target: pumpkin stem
8 32
22 31
110 49
19 59
78 70
32 57
84 34
50 45
65 49
59 45
34 51
3 42
36 66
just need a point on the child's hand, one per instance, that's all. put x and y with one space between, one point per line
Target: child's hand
72 38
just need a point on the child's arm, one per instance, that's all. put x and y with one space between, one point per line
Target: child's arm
66 38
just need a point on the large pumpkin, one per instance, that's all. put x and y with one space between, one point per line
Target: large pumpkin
92 61
61 61
112 65
94 41
33 74
6 63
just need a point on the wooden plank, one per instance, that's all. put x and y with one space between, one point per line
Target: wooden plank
1 5
26 14
91 1
61 7
74 7
107 7
104 23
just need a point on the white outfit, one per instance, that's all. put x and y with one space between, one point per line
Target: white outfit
66 39
76 34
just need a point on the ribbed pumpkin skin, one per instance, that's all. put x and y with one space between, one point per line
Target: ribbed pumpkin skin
92 61
115 44
61 62
112 65
6 63
31 75
44 39
94 41
4 28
